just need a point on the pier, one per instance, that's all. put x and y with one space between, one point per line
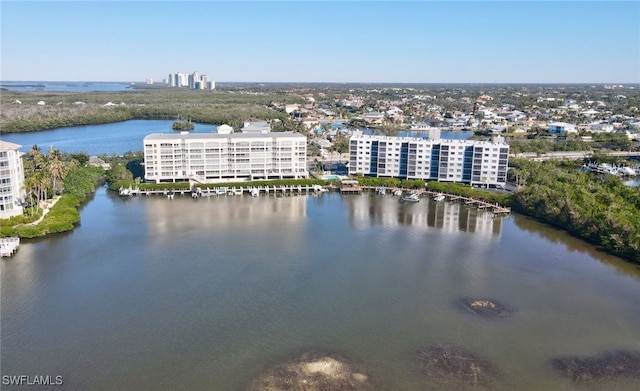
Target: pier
8 246
198 192
495 208
346 187
350 186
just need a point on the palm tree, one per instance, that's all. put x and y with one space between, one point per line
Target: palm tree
37 157
30 184
56 168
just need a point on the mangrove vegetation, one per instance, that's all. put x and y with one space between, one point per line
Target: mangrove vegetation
597 208
56 184
43 110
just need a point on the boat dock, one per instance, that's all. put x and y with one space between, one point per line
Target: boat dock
8 246
495 208
346 187
197 192
350 186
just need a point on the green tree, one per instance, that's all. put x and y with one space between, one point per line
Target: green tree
56 169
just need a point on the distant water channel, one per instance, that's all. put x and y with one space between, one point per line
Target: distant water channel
64 86
113 138
121 137
192 294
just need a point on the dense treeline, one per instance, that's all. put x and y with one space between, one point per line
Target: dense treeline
599 141
504 199
599 209
70 109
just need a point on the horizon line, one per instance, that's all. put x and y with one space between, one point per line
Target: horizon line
323 82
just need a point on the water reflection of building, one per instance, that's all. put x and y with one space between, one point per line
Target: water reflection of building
447 216
223 212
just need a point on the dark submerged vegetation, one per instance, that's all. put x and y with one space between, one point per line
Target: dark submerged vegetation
314 371
453 367
606 366
485 307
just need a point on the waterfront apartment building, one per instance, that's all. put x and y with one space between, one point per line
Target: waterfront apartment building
12 192
215 158
192 80
472 162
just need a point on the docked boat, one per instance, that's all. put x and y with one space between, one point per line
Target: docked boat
439 197
627 171
255 192
382 190
413 197
125 191
397 193
207 192
320 189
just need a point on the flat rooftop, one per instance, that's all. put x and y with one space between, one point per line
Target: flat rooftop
209 136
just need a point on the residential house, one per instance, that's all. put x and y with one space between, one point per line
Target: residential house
374 117
602 127
261 127
561 128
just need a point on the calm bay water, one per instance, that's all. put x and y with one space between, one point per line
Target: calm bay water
64 86
183 294
114 138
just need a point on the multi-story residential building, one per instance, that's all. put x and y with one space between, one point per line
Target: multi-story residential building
212 157
12 190
193 81
473 162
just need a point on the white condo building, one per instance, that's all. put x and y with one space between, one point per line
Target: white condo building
466 161
213 157
12 192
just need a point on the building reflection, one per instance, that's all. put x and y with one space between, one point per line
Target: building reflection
222 212
447 216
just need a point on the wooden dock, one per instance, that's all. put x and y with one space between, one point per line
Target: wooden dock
8 246
482 205
346 187
349 186
199 191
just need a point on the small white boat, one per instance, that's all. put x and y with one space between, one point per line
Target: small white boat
439 197
382 190
320 189
627 171
398 192
413 197
126 191
255 192
207 192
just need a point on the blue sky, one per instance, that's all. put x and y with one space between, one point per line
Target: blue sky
323 41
